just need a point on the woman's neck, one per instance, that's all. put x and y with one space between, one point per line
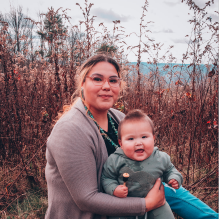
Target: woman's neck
101 118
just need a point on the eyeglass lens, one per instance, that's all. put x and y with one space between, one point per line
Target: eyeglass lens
99 80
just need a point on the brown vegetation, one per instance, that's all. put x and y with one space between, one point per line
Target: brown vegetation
36 82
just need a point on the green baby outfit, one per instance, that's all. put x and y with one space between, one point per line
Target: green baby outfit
143 175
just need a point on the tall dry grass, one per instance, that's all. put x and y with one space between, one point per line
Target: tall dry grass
34 86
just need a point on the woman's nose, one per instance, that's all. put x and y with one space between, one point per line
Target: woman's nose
106 84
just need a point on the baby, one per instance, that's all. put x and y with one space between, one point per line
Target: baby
144 163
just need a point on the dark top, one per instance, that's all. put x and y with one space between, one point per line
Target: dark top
112 135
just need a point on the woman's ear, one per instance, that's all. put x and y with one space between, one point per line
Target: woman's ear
82 92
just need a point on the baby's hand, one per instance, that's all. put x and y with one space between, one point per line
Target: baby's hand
121 191
174 183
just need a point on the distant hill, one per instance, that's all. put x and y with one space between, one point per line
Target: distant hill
162 67
165 69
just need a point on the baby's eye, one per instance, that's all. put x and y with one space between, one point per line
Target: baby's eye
144 136
130 139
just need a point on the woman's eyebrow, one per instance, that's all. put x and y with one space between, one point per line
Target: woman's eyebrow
113 76
97 74
103 76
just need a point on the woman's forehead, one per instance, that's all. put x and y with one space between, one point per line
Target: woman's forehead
103 68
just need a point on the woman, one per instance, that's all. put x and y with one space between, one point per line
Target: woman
80 143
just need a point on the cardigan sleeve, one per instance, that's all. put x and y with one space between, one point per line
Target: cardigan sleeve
74 154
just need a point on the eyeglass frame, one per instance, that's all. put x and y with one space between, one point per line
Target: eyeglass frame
105 79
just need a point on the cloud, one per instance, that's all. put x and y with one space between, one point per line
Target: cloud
183 41
167 31
164 31
172 3
109 15
213 16
200 3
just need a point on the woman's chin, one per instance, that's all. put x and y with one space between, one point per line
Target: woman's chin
101 106
106 106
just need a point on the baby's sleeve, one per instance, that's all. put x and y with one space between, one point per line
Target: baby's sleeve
109 177
170 171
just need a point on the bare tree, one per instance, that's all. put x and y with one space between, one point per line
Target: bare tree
19 27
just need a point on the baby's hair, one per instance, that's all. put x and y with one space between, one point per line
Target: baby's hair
134 115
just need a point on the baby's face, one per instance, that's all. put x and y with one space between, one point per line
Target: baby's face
137 139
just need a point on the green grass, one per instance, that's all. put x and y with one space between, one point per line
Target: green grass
32 204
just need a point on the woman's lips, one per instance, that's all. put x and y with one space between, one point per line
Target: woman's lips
139 151
105 96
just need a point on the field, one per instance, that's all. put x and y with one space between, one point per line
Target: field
38 82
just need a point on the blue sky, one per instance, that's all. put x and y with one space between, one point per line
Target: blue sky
170 18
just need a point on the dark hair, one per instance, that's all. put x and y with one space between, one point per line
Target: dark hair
135 115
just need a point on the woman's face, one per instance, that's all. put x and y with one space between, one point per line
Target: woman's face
101 97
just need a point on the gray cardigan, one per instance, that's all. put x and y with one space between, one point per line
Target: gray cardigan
75 155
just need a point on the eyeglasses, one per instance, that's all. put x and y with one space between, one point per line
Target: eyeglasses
99 80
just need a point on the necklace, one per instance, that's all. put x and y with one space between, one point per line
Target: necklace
102 131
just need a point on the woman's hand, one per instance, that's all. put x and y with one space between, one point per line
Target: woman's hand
121 191
155 198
